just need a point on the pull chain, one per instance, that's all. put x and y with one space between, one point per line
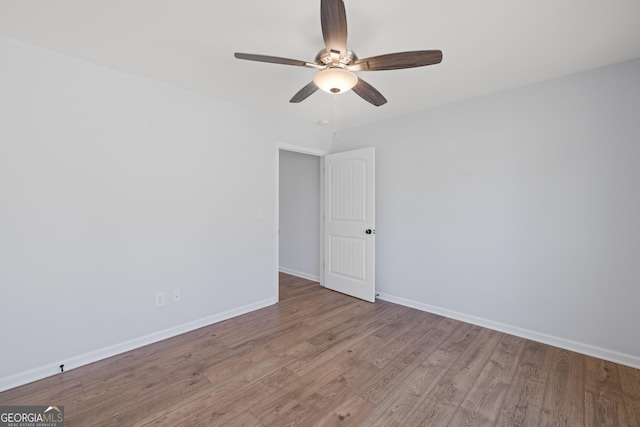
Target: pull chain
335 120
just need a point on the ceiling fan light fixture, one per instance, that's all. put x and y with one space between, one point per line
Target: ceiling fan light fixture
336 63
335 80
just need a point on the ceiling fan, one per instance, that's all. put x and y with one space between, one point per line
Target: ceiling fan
336 64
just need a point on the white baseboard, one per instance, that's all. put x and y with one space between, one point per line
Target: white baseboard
300 274
22 378
587 349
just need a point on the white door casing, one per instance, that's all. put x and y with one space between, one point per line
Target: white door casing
349 223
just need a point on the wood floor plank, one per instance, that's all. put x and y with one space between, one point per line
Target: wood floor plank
484 399
563 402
458 341
600 411
302 395
523 402
630 384
320 358
474 349
411 354
53 389
400 402
347 411
221 403
601 378
341 338
244 419
311 407
402 336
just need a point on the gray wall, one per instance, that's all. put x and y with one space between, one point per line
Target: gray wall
520 210
113 188
300 214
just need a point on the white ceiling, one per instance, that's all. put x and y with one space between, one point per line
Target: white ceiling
488 46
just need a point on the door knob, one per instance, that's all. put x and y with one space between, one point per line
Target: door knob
370 231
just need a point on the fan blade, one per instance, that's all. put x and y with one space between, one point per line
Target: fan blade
369 93
271 59
334 26
304 93
396 61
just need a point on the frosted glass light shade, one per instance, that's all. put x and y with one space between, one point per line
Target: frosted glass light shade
335 80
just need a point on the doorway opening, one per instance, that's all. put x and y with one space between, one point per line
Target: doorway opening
299 247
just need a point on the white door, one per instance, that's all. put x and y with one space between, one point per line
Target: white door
349 223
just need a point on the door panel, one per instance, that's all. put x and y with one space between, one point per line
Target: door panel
349 213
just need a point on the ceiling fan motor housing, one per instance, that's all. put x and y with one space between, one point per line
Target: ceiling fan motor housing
324 58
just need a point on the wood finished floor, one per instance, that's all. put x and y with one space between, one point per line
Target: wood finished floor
319 358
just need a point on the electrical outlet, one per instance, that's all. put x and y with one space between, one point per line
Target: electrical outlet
159 299
176 295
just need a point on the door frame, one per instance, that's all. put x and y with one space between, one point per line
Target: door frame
312 152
